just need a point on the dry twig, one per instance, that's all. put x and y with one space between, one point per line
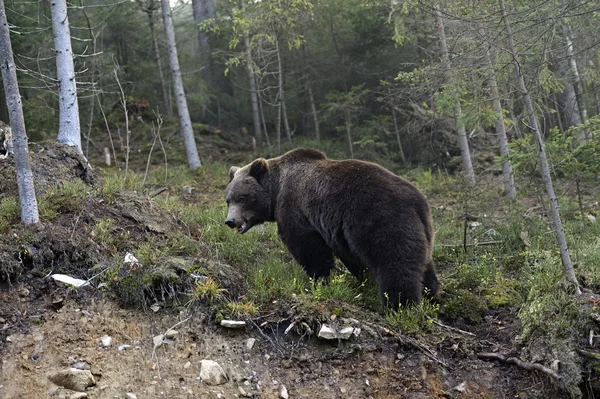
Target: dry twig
526 365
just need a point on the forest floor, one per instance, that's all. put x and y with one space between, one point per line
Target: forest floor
47 326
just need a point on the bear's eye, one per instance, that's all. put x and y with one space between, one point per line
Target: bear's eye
242 200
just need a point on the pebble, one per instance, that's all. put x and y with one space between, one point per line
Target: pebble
233 323
72 378
283 393
106 341
250 343
130 395
212 373
187 365
78 395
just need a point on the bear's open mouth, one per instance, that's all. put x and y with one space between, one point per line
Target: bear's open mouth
245 226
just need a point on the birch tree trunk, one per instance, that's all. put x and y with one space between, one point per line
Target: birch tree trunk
507 172
252 83
157 58
187 132
348 119
29 207
397 132
311 98
282 103
568 33
69 130
554 208
463 143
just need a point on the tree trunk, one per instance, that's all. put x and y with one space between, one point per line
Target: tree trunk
163 87
311 98
554 209
282 92
397 131
507 173
252 82
69 130
187 132
203 10
348 119
577 86
262 117
463 143
29 207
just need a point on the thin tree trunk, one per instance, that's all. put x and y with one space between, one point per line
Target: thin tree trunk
348 119
157 58
554 208
29 207
507 172
203 10
397 132
262 115
463 142
311 98
282 92
69 130
577 86
252 83
182 108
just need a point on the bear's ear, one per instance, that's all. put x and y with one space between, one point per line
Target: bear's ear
258 168
232 172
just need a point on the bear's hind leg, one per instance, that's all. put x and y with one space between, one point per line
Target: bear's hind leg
403 287
430 280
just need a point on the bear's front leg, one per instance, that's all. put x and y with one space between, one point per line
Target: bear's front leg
309 249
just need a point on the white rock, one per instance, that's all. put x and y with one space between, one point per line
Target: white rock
78 395
130 395
158 340
212 373
462 387
250 343
283 393
129 258
187 365
123 347
327 332
233 324
106 341
73 379
171 334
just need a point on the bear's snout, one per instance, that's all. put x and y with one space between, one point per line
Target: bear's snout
230 222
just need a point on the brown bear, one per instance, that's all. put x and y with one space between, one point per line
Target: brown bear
358 211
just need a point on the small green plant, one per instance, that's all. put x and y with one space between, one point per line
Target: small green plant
413 319
340 288
103 231
245 308
9 213
67 197
208 290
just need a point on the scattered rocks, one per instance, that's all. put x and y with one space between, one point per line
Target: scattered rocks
250 343
234 324
327 332
106 341
212 373
72 378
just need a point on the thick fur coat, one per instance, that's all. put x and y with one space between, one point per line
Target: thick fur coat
358 211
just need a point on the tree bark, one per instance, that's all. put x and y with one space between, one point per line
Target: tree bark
282 103
150 9
348 119
252 83
29 207
577 86
397 132
69 130
507 172
554 208
187 132
311 98
203 10
463 142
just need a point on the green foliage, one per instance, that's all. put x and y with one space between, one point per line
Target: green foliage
67 197
10 213
413 319
340 287
207 290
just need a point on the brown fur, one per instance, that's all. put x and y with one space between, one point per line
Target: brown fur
358 211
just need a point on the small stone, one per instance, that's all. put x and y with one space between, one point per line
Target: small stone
158 340
187 365
250 343
346 332
327 332
242 392
130 395
171 334
187 189
123 347
212 373
283 393
343 390
72 378
106 341
462 387
78 395
233 324
82 366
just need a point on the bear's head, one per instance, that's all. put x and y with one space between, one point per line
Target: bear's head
248 196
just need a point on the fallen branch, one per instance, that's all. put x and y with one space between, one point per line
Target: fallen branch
274 344
477 244
156 345
458 330
526 365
